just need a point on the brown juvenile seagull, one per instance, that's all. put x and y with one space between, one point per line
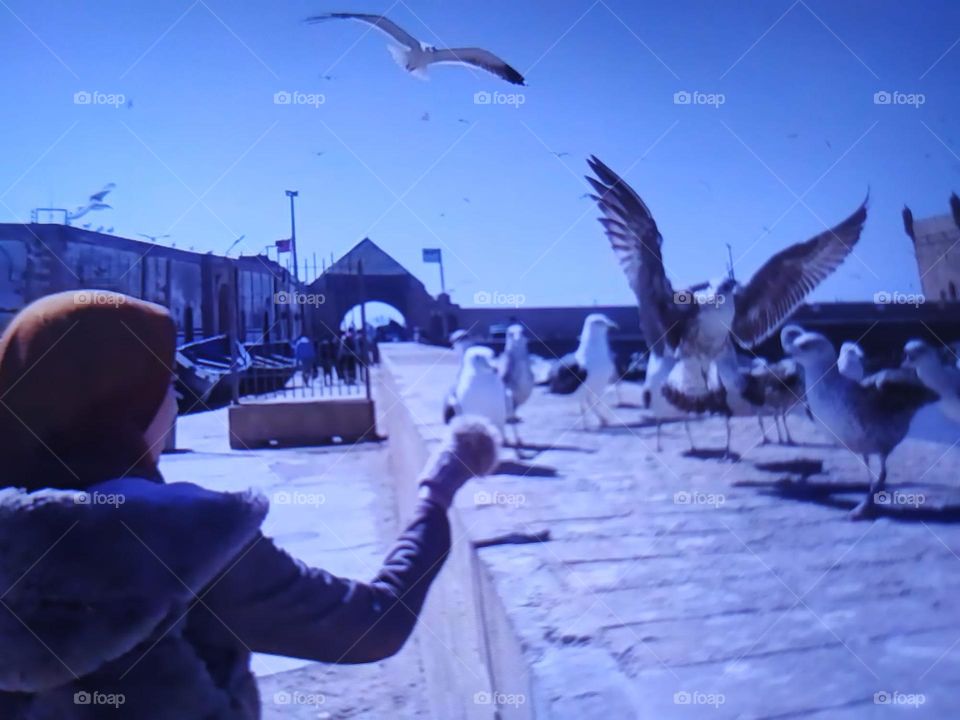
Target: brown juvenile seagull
415 56
692 328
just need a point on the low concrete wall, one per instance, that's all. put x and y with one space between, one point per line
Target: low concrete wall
472 657
290 424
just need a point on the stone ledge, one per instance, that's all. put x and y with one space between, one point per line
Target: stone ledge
297 424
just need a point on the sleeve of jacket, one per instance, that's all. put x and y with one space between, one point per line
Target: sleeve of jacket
275 604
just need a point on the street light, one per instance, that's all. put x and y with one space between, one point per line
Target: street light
293 233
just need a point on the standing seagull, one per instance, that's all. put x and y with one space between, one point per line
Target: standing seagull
515 370
942 379
479 390
588 370
870 417
850 362
696 326
415 56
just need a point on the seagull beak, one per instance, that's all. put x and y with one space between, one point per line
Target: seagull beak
612 324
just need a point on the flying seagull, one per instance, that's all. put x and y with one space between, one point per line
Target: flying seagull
234 244
416 56
152 238
698 324
869 417
98 197
588 370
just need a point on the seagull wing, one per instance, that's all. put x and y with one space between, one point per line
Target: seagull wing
478 57
99 196
785 280
380 22
636 241
896 390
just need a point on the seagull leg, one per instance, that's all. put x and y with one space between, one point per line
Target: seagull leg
727 454
659 447
790 440
763 430
867 506
776 423
686 425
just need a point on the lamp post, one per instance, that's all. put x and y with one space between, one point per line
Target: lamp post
293 232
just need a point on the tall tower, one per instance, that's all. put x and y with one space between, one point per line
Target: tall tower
936 241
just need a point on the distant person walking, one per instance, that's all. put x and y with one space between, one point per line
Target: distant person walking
348 357
328 358
306 357
126 597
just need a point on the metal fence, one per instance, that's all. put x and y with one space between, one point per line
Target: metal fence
308 368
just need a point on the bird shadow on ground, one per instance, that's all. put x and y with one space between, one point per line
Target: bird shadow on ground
826 494
541 447
802 467
511 467
712 454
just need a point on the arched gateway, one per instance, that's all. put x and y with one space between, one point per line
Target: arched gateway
342 287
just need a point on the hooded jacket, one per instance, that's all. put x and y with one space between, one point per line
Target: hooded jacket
137 599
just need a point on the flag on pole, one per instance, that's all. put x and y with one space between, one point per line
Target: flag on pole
283 245
431 255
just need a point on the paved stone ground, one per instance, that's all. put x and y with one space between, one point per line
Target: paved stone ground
332 508
674 586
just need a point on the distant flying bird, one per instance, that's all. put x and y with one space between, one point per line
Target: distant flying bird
153 238
588 370
466 199
698 324
416 56
515 370
793 135
319 153
234 244
942 379
94 203
828 144
425 117
463 120
870 417
559 154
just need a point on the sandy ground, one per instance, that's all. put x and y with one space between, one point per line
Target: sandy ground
344 520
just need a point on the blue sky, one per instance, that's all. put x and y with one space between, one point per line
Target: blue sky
205 154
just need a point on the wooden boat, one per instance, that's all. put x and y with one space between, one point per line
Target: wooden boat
205 372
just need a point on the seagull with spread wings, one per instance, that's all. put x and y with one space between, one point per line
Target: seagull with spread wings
415 56
697 325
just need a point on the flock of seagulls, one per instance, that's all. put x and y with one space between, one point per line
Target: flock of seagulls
700 341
